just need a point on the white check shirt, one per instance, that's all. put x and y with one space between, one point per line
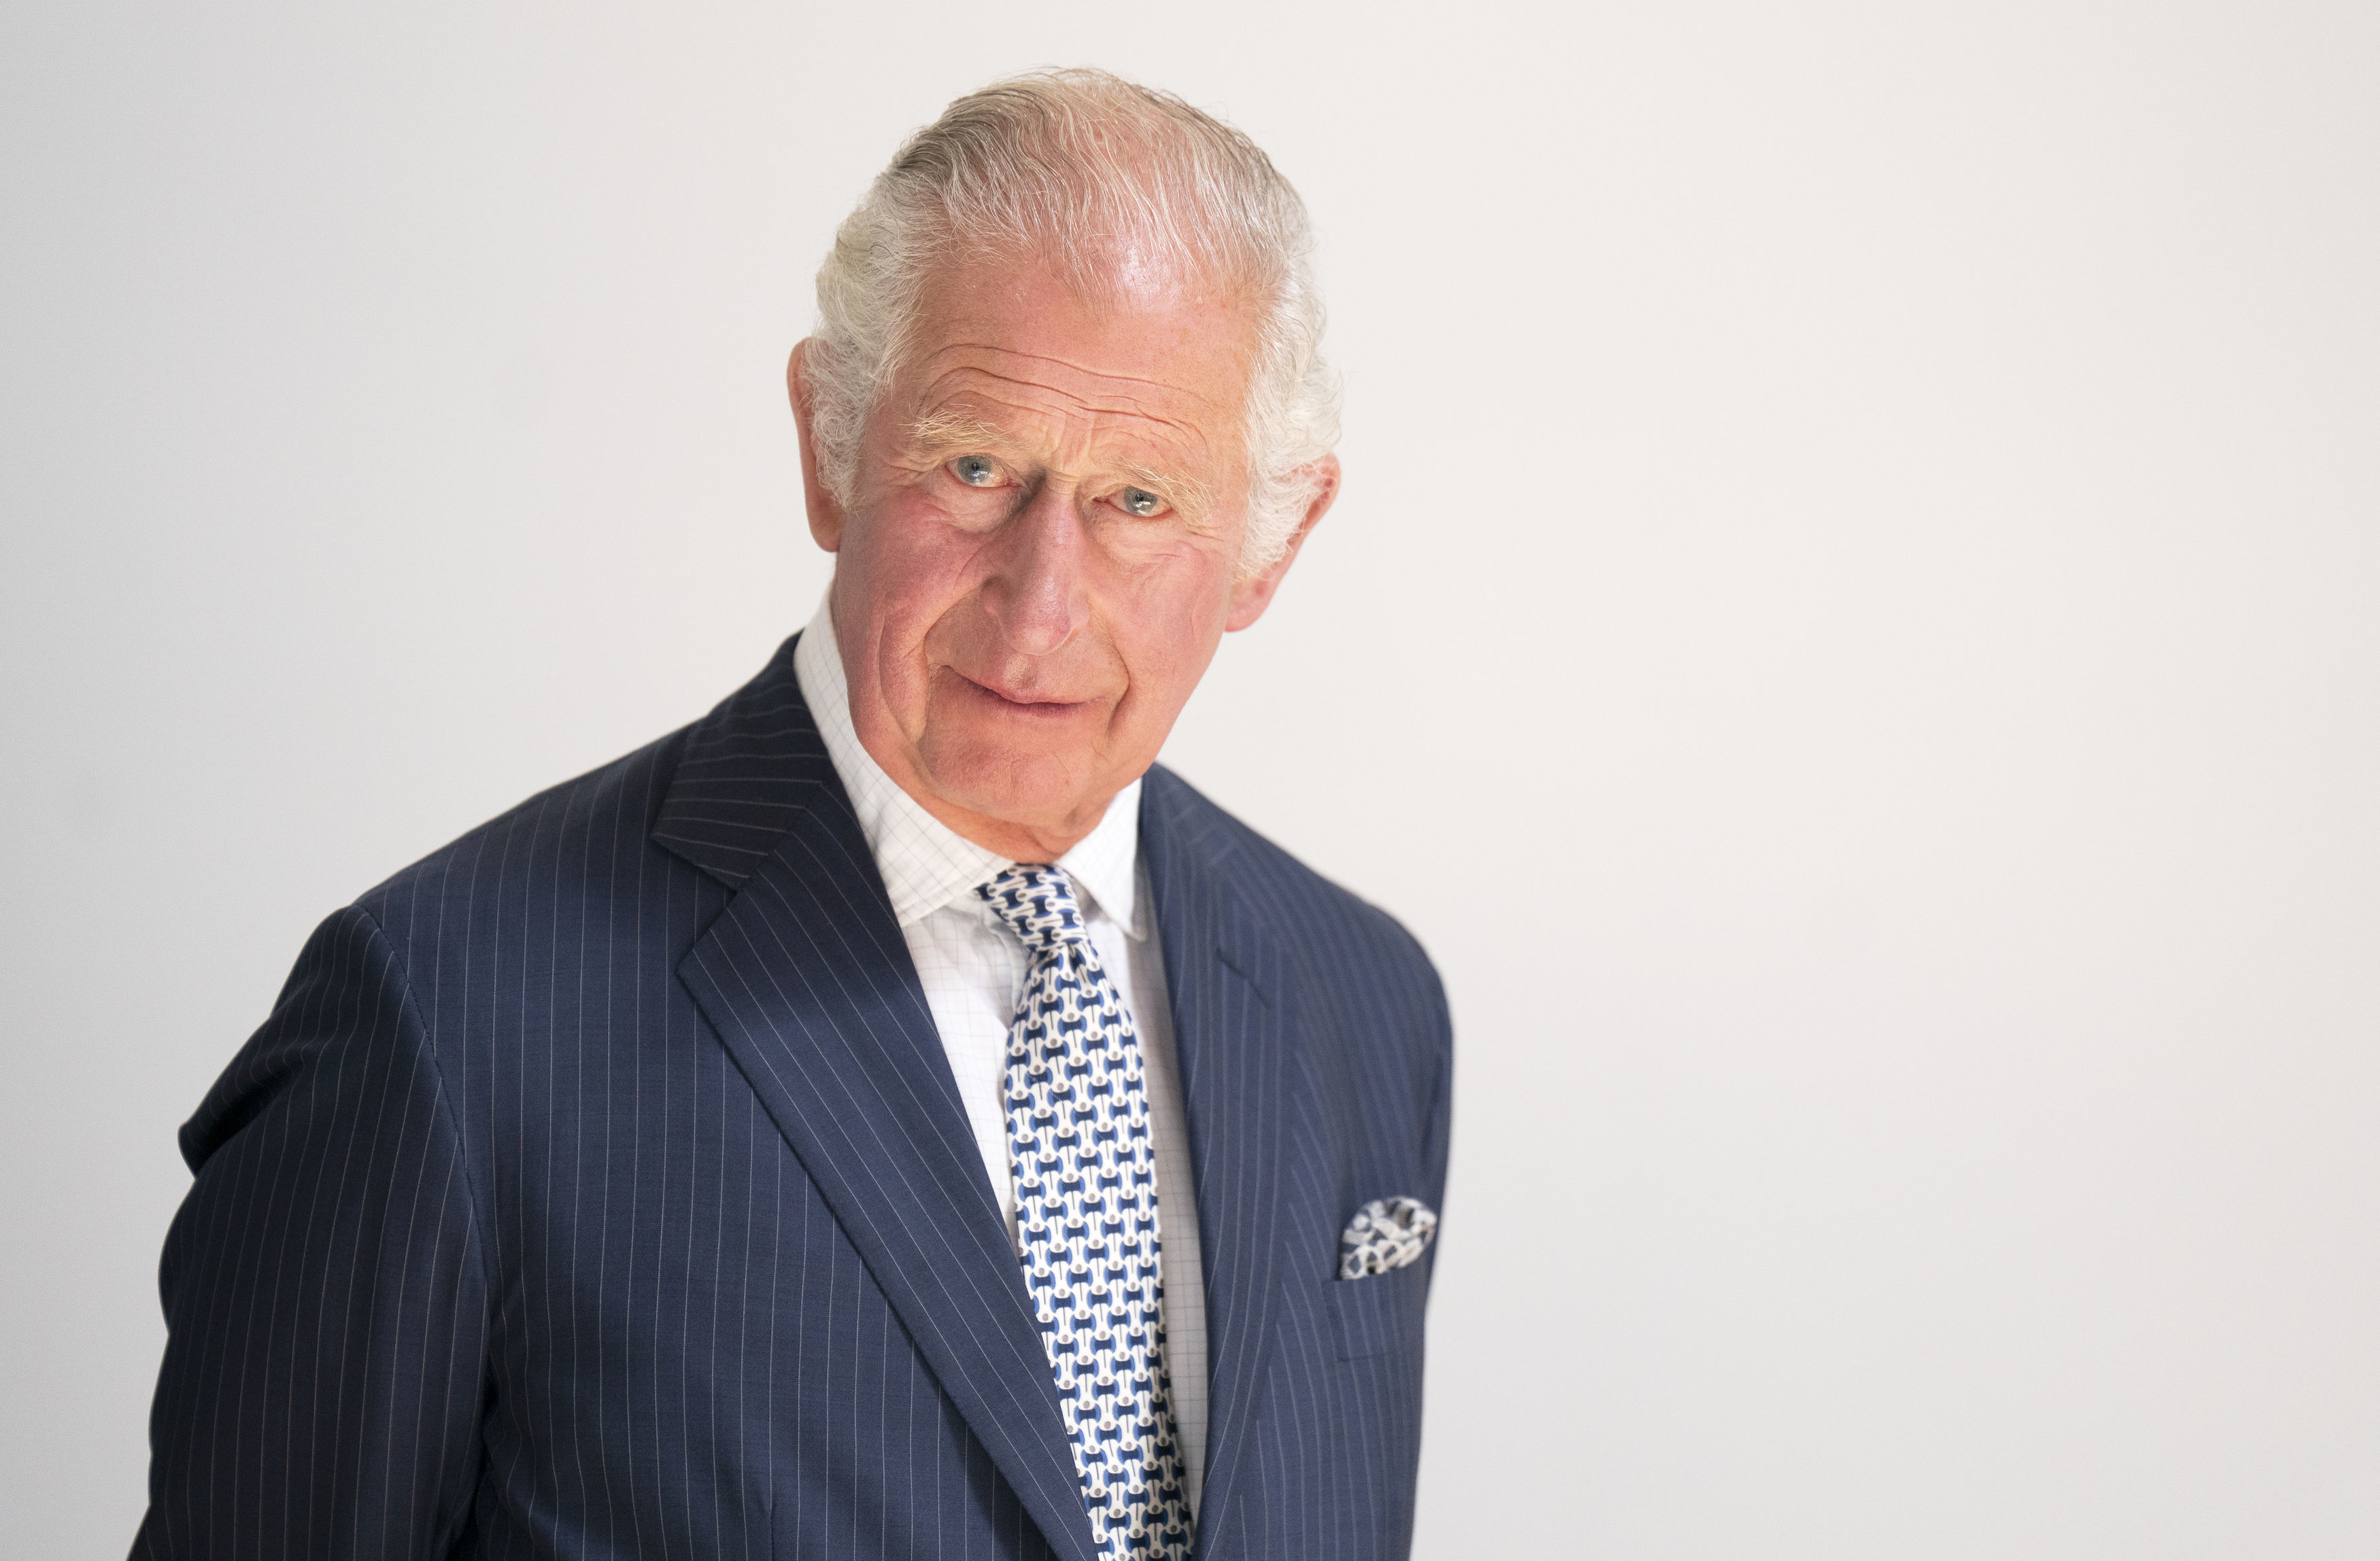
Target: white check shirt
973 966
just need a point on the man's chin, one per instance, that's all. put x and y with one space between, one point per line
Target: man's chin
1026 787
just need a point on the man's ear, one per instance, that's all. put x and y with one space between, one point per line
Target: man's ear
825 510
1252 594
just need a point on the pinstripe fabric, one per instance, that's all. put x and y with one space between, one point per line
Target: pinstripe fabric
598 1187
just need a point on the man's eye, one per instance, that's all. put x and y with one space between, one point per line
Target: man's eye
1139 501
975 471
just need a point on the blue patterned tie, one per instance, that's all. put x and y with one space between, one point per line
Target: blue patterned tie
1086 1220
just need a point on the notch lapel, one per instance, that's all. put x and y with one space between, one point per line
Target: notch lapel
1225 977
808 983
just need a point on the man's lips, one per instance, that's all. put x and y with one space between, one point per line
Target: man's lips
1015 700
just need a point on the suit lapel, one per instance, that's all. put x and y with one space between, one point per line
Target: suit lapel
808 982
1225 979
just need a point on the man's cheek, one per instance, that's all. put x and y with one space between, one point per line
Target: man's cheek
928 582
931 560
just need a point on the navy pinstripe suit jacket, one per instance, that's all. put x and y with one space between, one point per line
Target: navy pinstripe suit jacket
598 1187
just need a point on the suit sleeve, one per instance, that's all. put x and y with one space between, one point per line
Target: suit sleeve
325 1302
1438 1129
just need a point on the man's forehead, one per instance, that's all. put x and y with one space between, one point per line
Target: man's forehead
974 395
974 375
1181 334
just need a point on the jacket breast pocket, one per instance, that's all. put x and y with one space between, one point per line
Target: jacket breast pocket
1381 1315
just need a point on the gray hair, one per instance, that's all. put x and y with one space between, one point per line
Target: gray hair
1079 164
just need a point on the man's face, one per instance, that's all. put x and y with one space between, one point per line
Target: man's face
1042 550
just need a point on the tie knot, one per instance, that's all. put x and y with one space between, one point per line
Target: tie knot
1038 902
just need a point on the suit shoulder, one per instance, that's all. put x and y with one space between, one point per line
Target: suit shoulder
596 855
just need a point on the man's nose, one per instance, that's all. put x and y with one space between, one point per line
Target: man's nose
1036 589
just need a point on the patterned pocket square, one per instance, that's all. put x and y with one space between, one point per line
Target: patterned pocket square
1386 1233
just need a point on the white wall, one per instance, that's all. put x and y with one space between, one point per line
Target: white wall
1851 634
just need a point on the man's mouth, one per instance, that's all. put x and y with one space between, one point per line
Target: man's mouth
1019 701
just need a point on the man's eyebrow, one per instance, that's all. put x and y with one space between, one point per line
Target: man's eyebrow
955 431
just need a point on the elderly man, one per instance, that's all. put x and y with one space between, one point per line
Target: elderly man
892 1116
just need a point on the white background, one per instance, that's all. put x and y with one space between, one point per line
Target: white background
1850 633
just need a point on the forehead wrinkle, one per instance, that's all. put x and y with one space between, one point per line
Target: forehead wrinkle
1127 399
1077 427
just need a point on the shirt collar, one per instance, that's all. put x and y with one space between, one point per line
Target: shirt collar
924 863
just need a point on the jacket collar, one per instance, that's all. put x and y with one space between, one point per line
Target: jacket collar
749 769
